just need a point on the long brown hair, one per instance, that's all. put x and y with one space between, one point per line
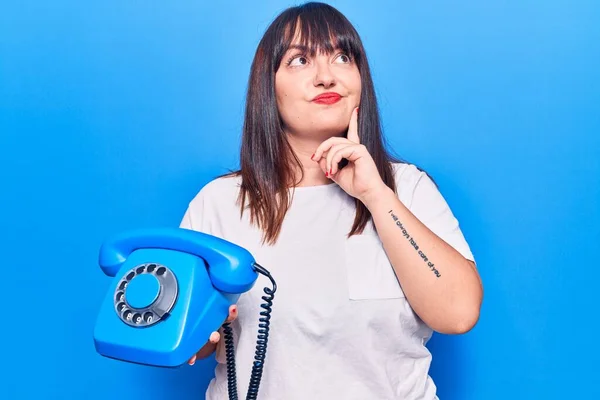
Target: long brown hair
266 157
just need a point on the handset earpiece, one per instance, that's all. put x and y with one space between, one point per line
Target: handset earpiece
230 266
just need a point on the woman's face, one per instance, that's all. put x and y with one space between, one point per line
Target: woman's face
299 81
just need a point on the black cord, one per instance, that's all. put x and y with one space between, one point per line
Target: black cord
261 344
231 375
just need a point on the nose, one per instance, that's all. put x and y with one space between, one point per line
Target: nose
323 75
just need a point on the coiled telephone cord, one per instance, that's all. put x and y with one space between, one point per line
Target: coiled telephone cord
261 344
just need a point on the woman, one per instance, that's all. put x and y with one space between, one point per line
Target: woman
367 256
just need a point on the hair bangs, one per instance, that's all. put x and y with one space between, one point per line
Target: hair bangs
317 30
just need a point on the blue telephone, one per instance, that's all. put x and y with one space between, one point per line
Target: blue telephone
172 288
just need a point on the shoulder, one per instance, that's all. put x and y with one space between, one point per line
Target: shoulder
407 173
422 196
216 198
220 190
408 177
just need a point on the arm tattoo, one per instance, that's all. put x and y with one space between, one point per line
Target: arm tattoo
414 244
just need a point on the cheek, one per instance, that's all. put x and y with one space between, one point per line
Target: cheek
290 104
353 84
285 104
284 96
356 89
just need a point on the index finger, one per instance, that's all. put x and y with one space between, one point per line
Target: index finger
353 127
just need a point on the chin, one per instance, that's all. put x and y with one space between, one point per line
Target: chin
333 126
321 125
327 131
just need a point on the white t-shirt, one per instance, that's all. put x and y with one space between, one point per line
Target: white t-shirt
341 326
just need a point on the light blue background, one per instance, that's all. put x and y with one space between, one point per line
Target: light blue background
114 114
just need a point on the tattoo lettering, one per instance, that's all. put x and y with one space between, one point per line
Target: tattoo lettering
414 244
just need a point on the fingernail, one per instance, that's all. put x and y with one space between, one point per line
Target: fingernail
330 170
326 173
311 157
234 309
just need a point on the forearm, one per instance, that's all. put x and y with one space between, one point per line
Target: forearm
442 287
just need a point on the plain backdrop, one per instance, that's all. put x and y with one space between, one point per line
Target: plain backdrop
114 114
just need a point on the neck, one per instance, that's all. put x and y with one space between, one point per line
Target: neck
304 149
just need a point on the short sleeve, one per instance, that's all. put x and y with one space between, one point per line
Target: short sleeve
194 217
430 207
186 221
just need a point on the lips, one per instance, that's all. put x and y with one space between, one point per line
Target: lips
327 98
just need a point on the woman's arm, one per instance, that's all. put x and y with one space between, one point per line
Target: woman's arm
442 286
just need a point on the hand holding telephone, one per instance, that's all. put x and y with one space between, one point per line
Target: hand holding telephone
172 288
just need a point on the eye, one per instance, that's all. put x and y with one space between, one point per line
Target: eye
297 61
345 59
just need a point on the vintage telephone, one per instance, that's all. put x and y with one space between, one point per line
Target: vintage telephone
172 289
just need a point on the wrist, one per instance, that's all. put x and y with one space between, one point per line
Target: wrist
377 194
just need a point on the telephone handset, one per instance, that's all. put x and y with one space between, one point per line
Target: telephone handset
230 266
172 288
